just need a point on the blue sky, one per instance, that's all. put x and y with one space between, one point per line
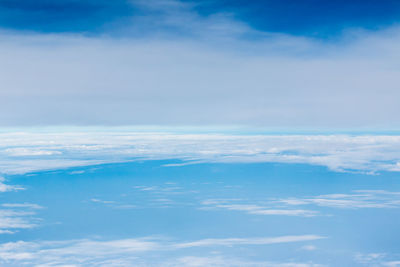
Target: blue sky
321 19
306 17
199 133
170 213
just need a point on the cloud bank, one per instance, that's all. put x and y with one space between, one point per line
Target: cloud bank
173 66
22 152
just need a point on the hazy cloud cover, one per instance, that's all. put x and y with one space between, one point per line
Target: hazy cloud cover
168 63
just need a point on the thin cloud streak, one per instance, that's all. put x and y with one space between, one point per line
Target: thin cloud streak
247 241
255 209
5 187
360 199
95 252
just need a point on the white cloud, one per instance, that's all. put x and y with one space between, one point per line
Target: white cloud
248 241
376 259
193 261
146 188
127 252
391 263
178 16
207 74
114 204
18 216
89 146
369 258
255 209
358 200
96 200
14 220
20 151
21 205
309 247
77 172
6 232
5 187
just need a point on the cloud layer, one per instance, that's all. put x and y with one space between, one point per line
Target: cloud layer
23 152
174 66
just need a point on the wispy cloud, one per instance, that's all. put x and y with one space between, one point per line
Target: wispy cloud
370 258
96 200
256 209
21 205
391 263
196 261
125 251
308 247
179 19
20 151
360 199
5 187
17 216
248 241
377 259
115 204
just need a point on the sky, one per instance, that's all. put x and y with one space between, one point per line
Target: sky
161 197
199 133
273 64
302 18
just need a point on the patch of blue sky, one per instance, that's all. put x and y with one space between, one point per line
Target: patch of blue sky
306 17
217 210
314 18
61 15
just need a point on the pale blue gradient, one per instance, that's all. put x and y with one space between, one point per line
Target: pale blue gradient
151 199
